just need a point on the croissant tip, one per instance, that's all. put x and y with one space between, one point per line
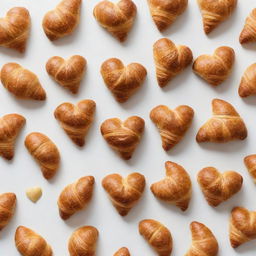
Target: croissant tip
64 215
79 141
208 29
161 26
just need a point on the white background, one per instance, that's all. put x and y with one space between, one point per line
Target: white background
97 159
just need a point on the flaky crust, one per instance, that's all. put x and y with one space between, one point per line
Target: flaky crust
250 163
247 85
7 208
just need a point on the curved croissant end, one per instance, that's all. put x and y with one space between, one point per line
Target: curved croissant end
225 124
116 18
157 235
10 127
76 119
248 33
63 20
45 152
203 241
170 60
7 208
83 241
250 163
75 196
122 81
122 252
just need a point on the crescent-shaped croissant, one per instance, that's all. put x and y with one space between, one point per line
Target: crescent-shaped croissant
83 241
225 124
29 243
7 208
63 20
45 152
250 163
10 127
75 196
122 252
204 242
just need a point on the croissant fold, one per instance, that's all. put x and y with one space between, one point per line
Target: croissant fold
7 208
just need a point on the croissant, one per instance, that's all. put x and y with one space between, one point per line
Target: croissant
216 68
116 18
242 226
172 124
225 124
76 119
45 152
124 192
215 12
122 81
68 73
218 187
83 241
21 82
157 235
204 242
123 137
7 208
175 188
250 163
10 127
248 33
170 60
75 196
29 243
63 20
122 252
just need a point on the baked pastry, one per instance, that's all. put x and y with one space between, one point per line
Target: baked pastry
250 163
172 124
7 208
157 235
122 81
83 241
170 60
124 193
218 187
123 137
76 119
63 20
14 29
216 68
122 252
45 153
116 18
29 243
215 12
75 196
175 188
34 194
21 82
10 127
224 125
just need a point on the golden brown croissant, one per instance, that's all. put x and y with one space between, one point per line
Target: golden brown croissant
218 187
242 226
215 12
75 196
124 192
45 152
83 241
248 33
63 20
122 252
216 68
250 163
172 124
76 119
7 208
165 12
175 188
204 242
29 243
123 137
116 18
10 127
170 60
157 235
122 81
225 124
21 82
14 29
67 73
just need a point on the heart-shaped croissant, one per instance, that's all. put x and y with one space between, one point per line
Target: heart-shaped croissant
250 163
122 252
122 81
170 60
175 188
124 192
248 33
